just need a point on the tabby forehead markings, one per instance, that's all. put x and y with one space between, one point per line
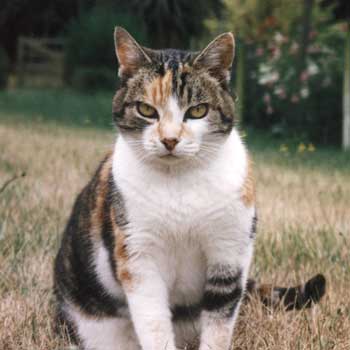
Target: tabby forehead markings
159 90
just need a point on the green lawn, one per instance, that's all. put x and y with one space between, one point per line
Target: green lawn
61 107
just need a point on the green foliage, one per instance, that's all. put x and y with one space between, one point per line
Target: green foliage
288 85
62 107
172 23
93 79
90 56
4 68
253 20
308 105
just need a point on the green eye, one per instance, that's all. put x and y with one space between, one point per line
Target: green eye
198 111
146 110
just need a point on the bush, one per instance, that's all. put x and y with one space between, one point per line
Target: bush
93 79
306 106
4 68
90 55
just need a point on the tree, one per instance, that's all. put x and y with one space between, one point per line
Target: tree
33 18
341 12
172 23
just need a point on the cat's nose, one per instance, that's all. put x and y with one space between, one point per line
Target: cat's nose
170 143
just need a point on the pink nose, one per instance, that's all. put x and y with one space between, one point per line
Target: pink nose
170 143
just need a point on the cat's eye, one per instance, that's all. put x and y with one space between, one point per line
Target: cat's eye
146 110
197 112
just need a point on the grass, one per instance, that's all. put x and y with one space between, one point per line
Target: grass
304 225
59 107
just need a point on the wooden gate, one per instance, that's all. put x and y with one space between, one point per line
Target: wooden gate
40 62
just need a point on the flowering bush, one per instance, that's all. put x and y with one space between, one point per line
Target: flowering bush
307 102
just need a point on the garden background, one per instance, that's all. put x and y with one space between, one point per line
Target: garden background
291 77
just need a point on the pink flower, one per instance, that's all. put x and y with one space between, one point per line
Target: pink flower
277 53
267 98
294 48
295 98
281 92
259 52
313 34
269 110
304 76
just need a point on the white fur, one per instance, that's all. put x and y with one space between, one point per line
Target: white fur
182 218
105 333
104 273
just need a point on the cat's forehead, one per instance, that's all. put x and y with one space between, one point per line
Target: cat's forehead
172 74
172 57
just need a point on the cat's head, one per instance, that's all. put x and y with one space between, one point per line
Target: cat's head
174 105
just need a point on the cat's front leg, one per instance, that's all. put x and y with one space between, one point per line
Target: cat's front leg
225 284
147 298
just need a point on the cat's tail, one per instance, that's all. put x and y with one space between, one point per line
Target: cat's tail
298 297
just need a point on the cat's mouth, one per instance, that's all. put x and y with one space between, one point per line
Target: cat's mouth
169 156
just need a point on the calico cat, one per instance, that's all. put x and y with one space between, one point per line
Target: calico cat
157 250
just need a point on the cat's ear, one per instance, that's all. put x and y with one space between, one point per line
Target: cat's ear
130 54
217 57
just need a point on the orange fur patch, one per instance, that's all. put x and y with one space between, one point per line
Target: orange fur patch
102 188
248 189
159 90
121 255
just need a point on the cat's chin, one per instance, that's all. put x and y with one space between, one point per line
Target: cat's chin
170 159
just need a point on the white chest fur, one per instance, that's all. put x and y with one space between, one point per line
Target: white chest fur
174 215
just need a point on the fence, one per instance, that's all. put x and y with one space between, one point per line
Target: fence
40 61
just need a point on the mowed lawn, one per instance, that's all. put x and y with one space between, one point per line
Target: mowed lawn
303 229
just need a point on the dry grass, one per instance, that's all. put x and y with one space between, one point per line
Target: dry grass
304 229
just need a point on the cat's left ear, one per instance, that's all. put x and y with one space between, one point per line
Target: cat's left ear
218 57
130 54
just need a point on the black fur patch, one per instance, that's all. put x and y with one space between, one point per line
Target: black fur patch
303 296
224 303
74 275
223 281
223 290
254 226
186 312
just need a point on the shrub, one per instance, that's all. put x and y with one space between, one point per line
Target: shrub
90 55
93 79
4 68
307 106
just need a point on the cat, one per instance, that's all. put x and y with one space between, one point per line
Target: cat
157 250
